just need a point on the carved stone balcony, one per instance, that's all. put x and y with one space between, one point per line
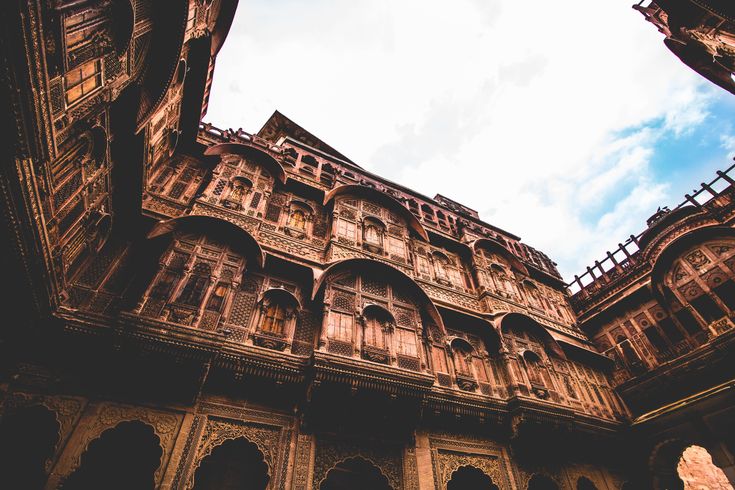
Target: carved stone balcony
466 382
270 341
375 354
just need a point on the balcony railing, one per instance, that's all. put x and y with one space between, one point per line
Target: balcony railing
618 263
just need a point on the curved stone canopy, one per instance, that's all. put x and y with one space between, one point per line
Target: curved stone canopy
239 237
383 198
534 327
261 157
659 227
358 265
495 246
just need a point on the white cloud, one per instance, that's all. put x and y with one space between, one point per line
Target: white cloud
516 109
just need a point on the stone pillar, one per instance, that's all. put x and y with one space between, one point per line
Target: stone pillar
505 363
178 452
424 463
303 462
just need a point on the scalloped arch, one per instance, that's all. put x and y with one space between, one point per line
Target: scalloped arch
213 447
360 457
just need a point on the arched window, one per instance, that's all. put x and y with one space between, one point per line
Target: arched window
441 264
502 280
297 220
377 321
372 233
196 286
166 282
217 297
470 478
237 463
274 319
374 333
299 216
238 194
534 296
275 322
629 353
462 355
534 367
428 212
542 482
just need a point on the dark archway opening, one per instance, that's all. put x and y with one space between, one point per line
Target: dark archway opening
541 482
122 458
28 438
355 474
236 464
470 478
585 484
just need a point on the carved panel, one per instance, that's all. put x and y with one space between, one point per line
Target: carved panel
302 463
410 470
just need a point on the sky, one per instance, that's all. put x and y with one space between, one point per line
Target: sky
565 123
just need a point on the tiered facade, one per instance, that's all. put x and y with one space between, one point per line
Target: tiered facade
192 307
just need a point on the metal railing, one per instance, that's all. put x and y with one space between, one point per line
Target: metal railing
617 262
